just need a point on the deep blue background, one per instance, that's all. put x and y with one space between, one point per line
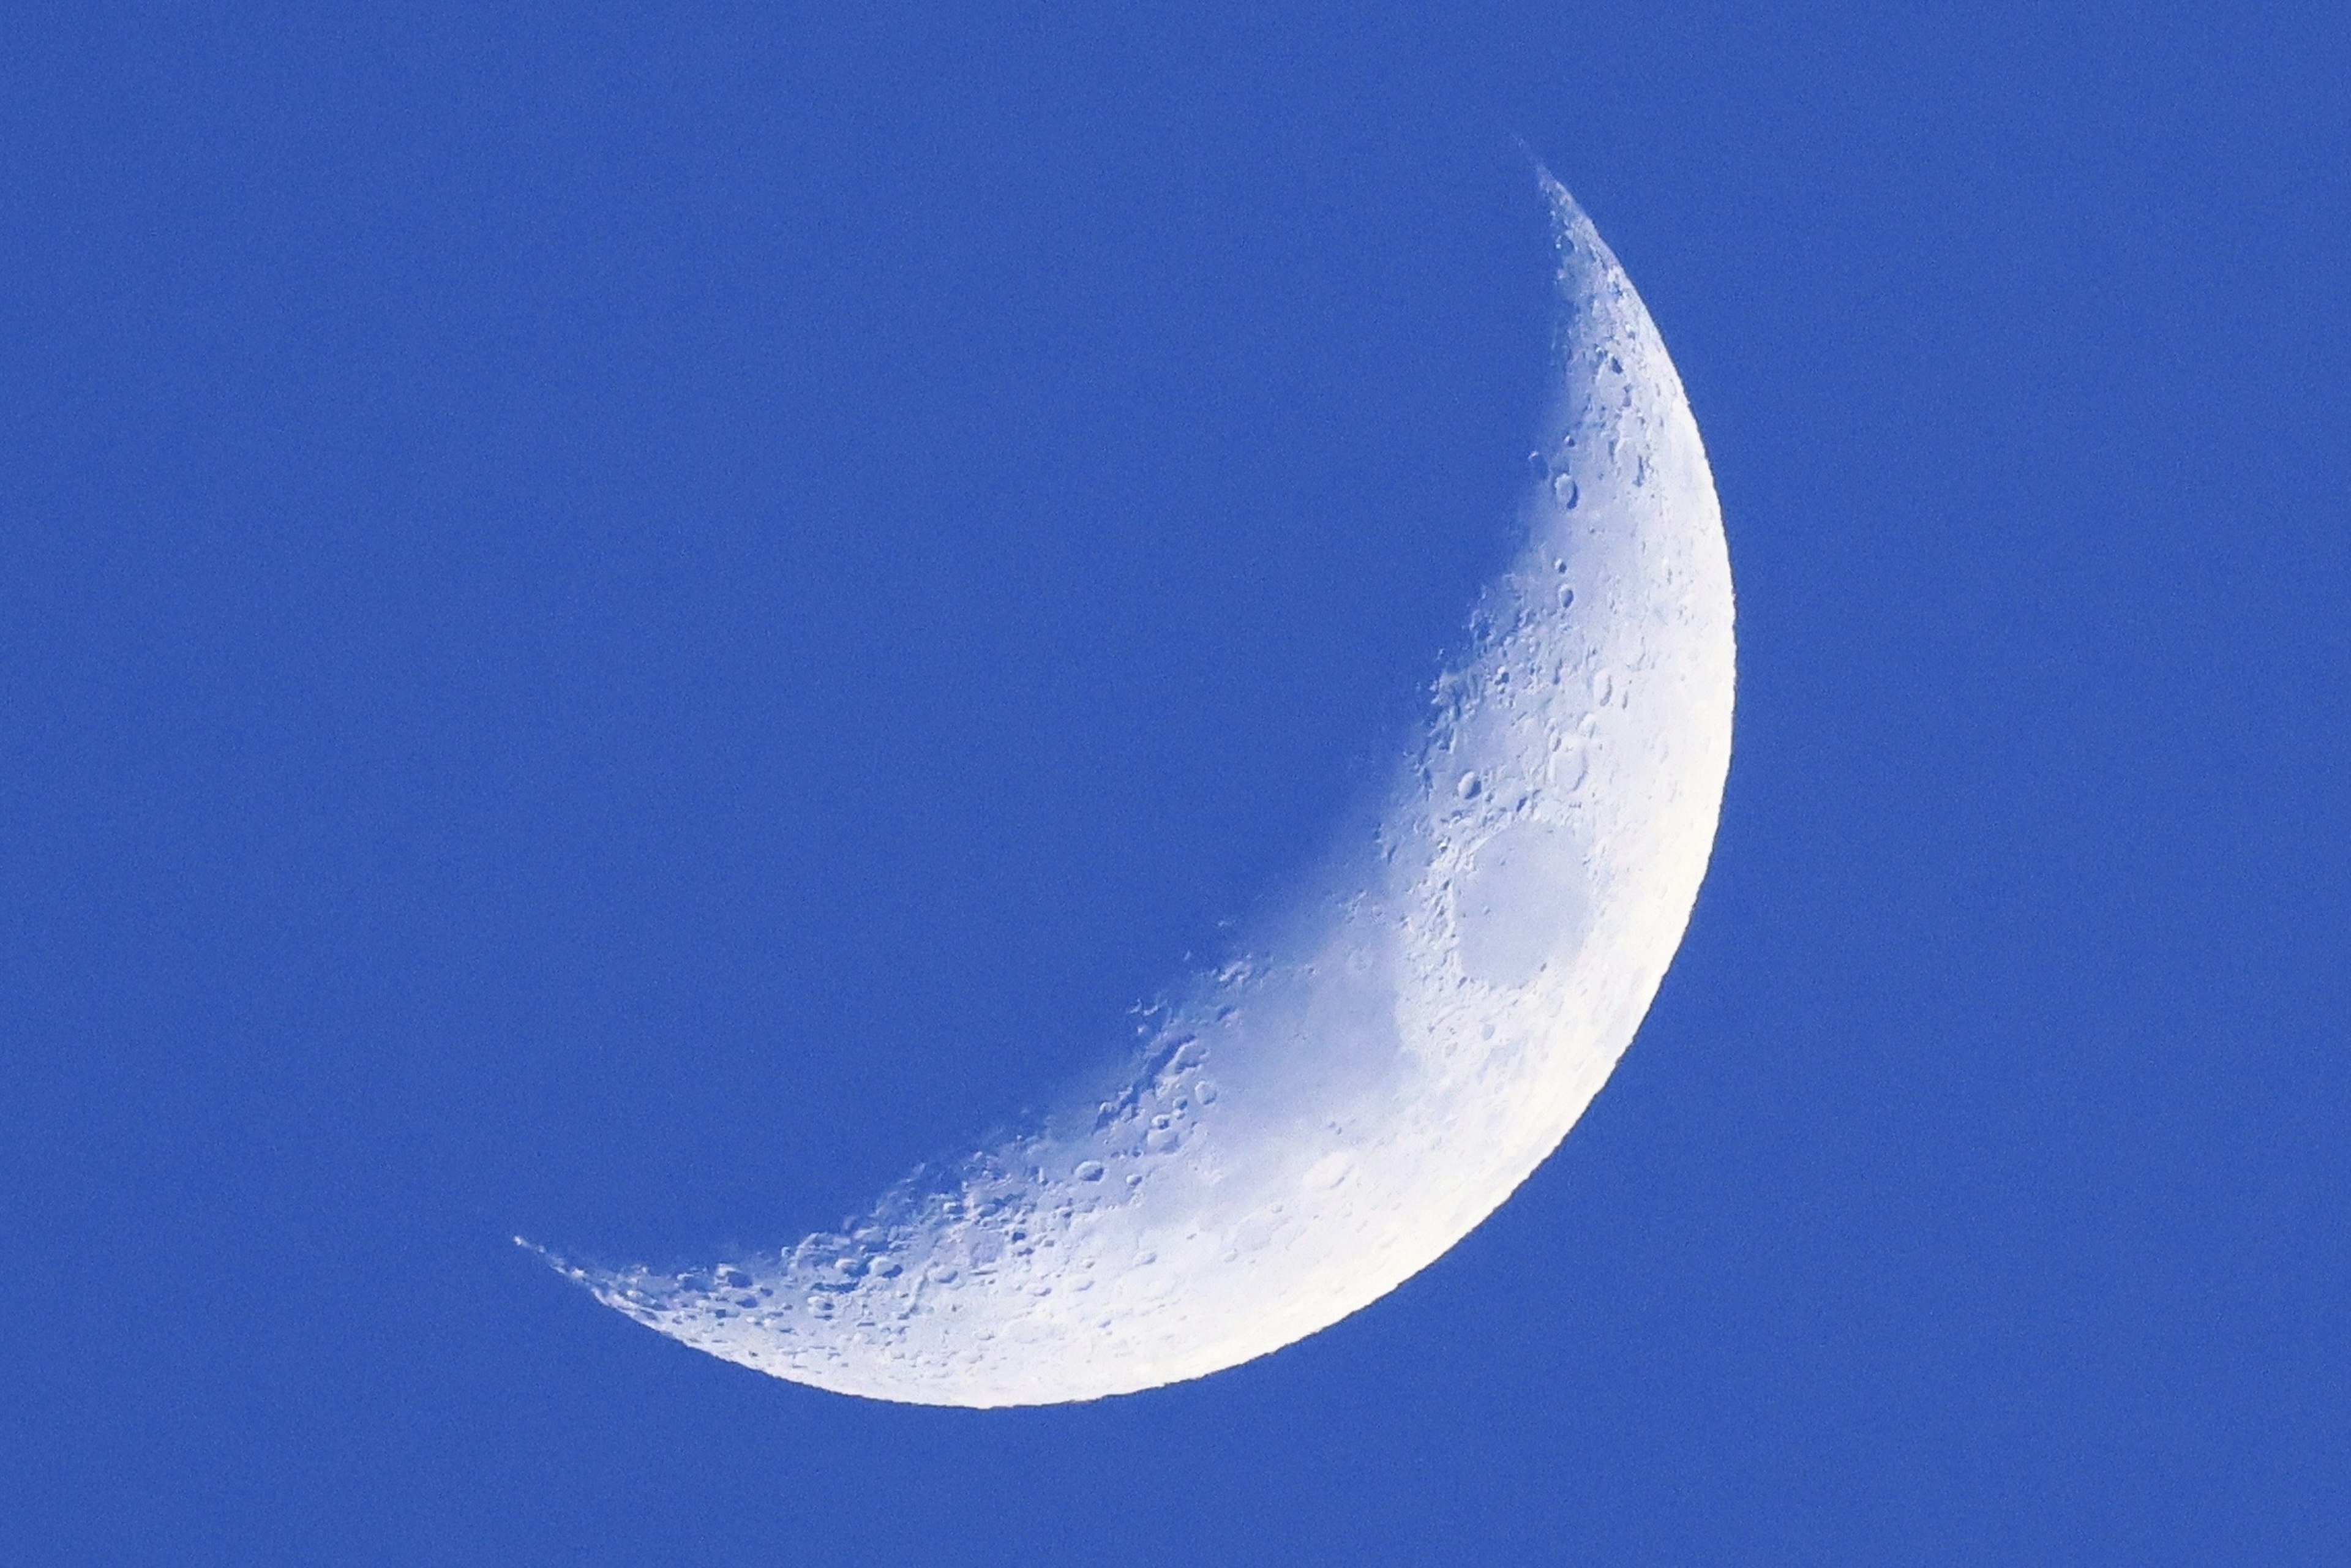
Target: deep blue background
616 622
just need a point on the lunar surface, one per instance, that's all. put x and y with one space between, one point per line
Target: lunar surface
1372 1075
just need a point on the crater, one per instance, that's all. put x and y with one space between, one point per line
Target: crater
1525 902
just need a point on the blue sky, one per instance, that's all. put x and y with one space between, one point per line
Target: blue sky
616 622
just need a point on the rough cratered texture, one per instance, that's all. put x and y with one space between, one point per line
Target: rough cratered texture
1325 1115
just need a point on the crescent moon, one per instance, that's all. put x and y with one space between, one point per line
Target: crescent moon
1307 1127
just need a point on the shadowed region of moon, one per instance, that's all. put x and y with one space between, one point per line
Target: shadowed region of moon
1370 1074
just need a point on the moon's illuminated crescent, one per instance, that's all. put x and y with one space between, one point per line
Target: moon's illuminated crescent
1323 1116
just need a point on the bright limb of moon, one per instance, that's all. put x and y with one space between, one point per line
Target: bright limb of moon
1326 1115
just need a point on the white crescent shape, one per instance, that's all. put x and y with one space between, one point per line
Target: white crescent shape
1328 1113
